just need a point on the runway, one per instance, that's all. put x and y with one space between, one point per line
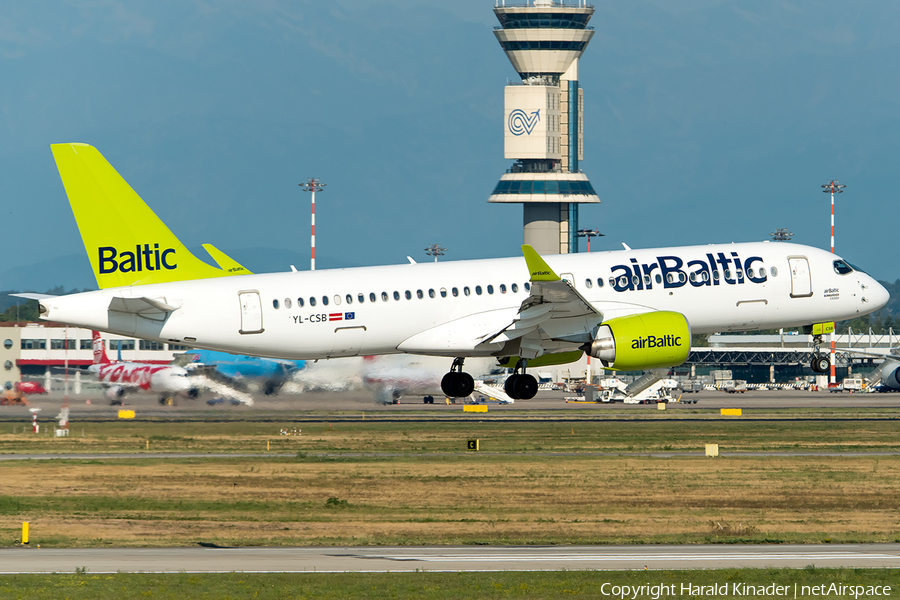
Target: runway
442 558
356 404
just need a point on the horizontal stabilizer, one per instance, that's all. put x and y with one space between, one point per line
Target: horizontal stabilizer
141 306
31 296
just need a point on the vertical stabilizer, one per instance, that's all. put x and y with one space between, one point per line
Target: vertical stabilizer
100 357
126 242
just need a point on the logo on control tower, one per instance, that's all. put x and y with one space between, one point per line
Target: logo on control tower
521 122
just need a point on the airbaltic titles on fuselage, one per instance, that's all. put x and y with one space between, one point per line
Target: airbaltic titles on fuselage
142 259
674 272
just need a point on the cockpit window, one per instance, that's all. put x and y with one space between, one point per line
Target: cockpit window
855 268
842 268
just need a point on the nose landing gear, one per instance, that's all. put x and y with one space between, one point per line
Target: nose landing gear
820 362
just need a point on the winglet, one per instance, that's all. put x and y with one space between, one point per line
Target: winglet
226 263
537 267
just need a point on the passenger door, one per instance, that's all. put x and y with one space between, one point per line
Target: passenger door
251 312
801 279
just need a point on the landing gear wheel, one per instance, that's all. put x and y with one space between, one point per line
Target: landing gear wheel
526 387
820 364
510 386
457 385
521 386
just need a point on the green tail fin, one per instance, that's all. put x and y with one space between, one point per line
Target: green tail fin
126 242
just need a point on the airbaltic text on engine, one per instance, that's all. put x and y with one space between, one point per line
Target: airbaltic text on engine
637 276
146 259
651 341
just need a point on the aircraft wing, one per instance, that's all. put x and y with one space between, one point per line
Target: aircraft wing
553 317
554 310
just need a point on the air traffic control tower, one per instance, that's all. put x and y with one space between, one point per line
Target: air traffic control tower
543 40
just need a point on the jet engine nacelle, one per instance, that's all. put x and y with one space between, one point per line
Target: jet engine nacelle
890 376
646 341
116 392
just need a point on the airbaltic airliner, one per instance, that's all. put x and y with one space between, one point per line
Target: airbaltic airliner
632 309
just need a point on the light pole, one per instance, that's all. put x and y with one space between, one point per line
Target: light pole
833 187
435 250
588 233
781 235
313 185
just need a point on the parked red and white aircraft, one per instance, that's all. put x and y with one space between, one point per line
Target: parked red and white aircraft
120 378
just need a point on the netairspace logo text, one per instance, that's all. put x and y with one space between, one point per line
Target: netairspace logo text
738 590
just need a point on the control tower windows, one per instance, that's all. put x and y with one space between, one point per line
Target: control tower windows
513 45
534 20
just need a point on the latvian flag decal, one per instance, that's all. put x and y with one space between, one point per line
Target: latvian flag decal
341 316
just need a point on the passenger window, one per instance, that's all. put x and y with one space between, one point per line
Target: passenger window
773 271
588 283
762 272
324 300
360 298
408 294
670 278
623 281
300 302
693 277
727 273
287 302
635 280
420 294
337 300
312 300
715 275
396 295
384 296
431 293
599 282
275 303
612 281
455 292
515 288
490 289
372 297
443 292
750 272
658 278
527 286
705 276
466 291
739 273
502 288
478 290
349 298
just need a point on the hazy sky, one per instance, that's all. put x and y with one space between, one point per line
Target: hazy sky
705 121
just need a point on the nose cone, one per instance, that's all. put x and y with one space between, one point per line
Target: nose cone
877 295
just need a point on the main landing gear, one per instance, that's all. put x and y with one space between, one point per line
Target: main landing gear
456 383
820 362
521 386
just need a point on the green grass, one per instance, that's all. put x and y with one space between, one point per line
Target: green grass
422 585
496 435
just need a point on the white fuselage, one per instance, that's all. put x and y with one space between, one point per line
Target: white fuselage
447 308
